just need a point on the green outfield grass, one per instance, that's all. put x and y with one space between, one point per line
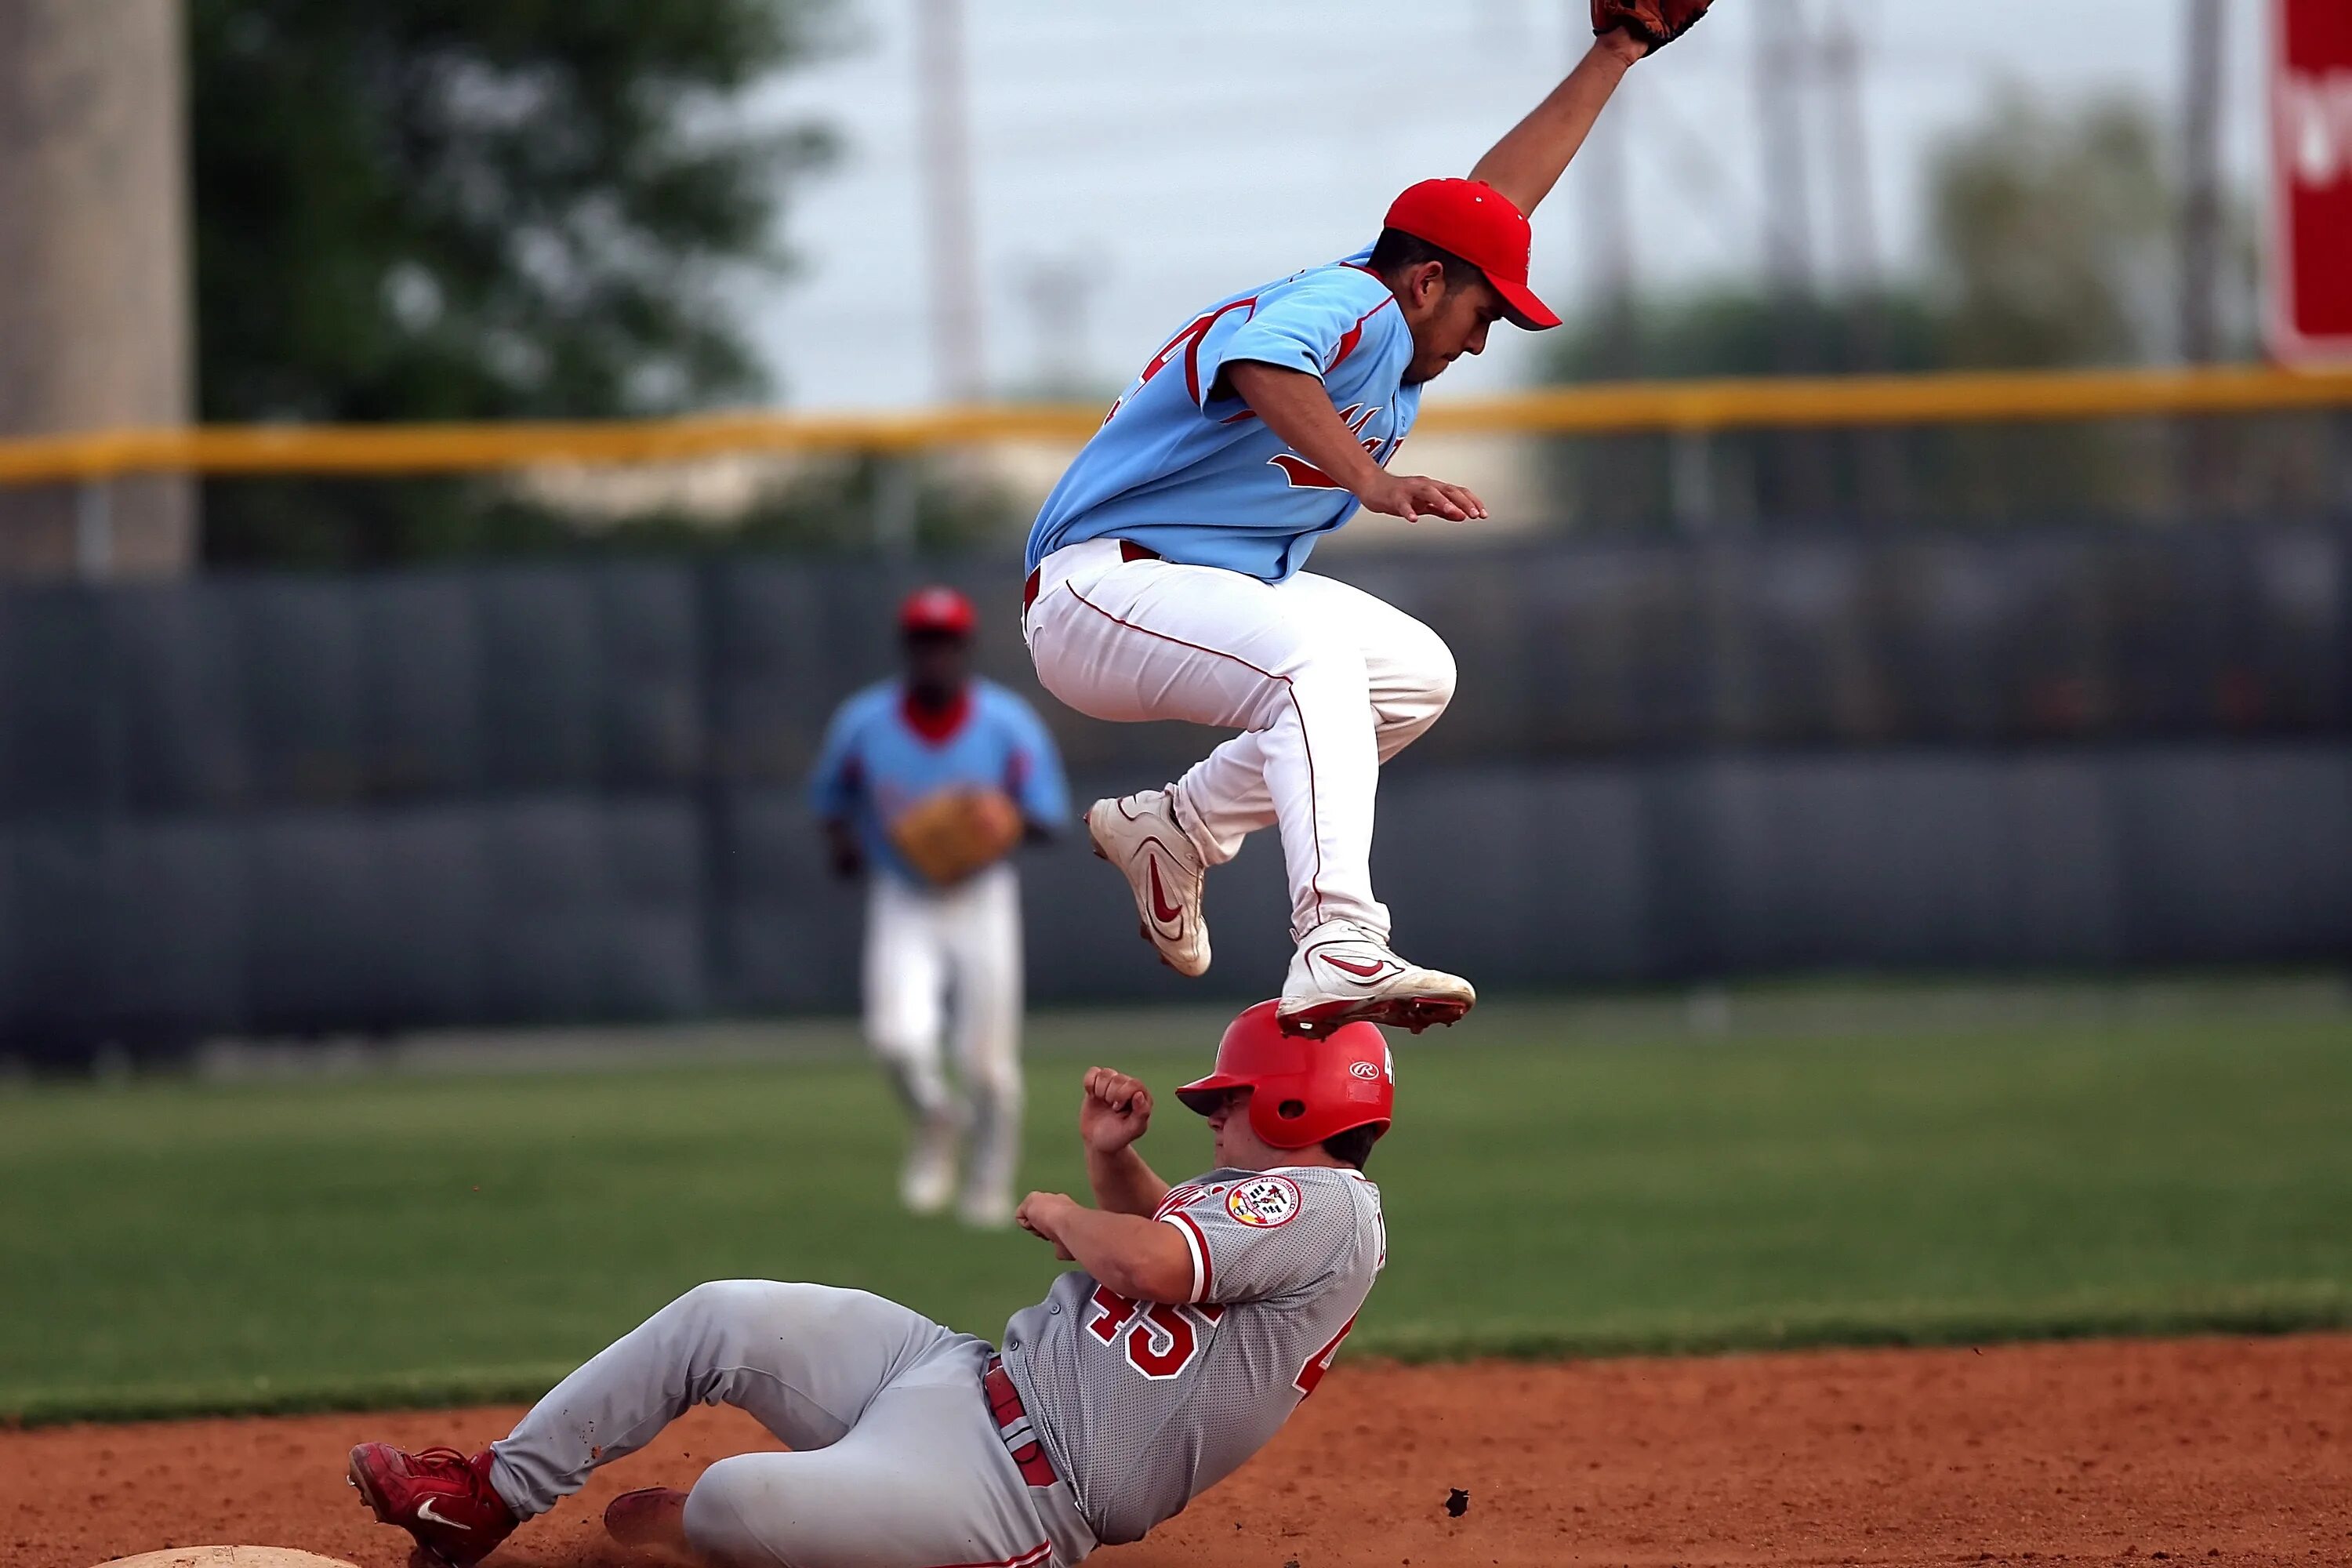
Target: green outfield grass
1564 1180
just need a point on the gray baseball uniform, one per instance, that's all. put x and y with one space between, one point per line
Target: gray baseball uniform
1145 1407
904 1457
899 1460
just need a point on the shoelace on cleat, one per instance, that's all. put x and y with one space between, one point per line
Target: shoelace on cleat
429 1459
444 1456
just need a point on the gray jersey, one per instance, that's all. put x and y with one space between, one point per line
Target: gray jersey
1144 1407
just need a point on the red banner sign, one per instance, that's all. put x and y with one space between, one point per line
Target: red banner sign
2311 120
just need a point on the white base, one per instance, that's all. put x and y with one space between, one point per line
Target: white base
228 1557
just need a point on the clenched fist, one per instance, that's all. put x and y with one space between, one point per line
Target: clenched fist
1114 1112
1040 1214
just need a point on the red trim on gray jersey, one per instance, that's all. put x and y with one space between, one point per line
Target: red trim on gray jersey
1200 1239
1177 1197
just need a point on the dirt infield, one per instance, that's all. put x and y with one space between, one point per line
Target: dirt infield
2220 1452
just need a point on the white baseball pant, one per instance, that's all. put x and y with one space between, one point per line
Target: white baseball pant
923 944
896 1461
1325 682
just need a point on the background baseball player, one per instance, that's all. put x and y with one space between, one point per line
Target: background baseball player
1201 1316
1164 571
927 785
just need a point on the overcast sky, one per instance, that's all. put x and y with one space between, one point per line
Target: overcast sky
1170 154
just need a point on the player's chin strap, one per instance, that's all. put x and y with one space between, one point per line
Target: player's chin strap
1013 1426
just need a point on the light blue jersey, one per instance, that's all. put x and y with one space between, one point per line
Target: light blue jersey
1195 476
882 755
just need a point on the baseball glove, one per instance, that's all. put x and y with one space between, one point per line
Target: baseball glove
949 835
1656 22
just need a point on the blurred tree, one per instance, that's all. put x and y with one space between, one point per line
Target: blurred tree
2052 236
2050 242
476 209
2054 244
1729 332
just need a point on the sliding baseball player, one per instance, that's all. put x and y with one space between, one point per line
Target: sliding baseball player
1198 1318
1165 572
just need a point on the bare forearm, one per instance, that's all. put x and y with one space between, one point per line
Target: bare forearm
1528 161
1295 407
1125 1183
1136 1257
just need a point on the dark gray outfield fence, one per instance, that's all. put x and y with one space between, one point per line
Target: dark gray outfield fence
571 794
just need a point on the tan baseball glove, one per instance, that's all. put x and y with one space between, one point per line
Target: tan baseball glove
1656 23
952 834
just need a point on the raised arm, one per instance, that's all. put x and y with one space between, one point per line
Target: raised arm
1528 161
1115 1112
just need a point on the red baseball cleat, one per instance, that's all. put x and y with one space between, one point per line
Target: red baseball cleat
438 1496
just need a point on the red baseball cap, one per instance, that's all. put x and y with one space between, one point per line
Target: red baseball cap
1477 222
938 612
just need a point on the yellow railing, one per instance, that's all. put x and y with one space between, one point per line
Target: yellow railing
1689 407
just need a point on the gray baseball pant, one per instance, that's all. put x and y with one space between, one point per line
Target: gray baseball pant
896 1461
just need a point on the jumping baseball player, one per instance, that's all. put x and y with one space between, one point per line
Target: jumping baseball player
1199 1317
1164 571
926 785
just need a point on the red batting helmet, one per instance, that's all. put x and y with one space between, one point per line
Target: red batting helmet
1305 1090
937 612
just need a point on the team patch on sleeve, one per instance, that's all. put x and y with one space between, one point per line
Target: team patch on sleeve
1263 1202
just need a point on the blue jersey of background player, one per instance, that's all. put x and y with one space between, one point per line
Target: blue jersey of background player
900 742
1183 468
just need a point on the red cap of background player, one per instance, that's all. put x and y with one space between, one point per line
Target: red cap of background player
1477 222
937 611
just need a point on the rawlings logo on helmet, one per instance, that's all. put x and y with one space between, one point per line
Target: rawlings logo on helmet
1302 1091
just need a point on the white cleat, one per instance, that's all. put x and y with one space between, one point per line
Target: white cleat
927 1184
1139 835
1342 973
